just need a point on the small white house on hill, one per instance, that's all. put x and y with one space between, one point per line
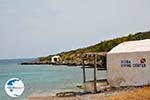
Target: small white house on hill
55 58
128 64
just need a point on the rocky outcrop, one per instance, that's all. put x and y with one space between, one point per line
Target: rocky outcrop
66 63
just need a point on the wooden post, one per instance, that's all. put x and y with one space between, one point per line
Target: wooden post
95 66
84 78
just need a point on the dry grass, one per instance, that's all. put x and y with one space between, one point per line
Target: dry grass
136 94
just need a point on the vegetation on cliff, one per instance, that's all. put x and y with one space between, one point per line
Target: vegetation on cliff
103 46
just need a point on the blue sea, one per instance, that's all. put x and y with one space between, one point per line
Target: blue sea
42 80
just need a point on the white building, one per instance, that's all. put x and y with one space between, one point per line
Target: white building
128 64
55 58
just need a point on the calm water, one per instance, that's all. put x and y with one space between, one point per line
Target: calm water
43 80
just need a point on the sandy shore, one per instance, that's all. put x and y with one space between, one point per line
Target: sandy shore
108 93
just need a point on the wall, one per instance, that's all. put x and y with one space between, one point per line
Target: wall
126 69
55 57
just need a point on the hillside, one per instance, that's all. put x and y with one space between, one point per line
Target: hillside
103 46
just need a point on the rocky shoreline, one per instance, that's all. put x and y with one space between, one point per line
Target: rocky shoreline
51 63
66 63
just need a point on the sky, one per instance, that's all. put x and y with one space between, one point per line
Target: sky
35 28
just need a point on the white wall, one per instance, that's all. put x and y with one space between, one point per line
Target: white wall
118 75
55 57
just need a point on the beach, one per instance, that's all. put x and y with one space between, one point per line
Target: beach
126 93
98 96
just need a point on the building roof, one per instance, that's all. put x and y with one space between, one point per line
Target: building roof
132 46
